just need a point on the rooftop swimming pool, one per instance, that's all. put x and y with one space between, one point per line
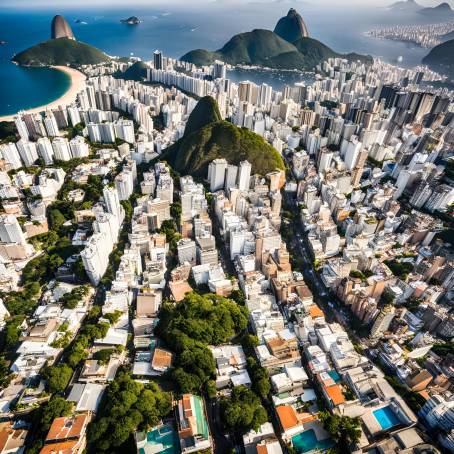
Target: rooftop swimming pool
386 418
165 438
202 424
307 441
335 376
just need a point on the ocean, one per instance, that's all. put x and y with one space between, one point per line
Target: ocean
177 29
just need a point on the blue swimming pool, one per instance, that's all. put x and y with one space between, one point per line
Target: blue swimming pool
335 376
307 441
164 436
386 418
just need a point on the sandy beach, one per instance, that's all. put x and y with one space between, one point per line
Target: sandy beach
77 84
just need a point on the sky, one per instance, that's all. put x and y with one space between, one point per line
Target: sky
64 4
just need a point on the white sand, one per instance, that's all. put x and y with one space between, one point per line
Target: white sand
77 84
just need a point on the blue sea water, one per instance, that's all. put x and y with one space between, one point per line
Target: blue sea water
176 29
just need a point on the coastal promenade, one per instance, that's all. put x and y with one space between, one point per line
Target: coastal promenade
77 84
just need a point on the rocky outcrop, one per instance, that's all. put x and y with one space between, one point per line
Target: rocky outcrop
60 28
291 27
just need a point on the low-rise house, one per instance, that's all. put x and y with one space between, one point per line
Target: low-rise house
262 441
162 360
230 366
113 338
12 441
148 303
43 331
332 392
291 380
86 396
193 429
67 434
280 349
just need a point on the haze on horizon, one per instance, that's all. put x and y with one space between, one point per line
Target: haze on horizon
63 4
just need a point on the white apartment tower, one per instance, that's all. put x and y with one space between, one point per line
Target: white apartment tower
10 230
61 149
244 176
79 148
50 123
352 151
382 322
124 184
45 150
217 174
95 257
112 203
231 174
21 128
27 152
11 155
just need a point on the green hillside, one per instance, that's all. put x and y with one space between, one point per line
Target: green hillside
255 46
440 58
219 139
258 47
205 112
266 48
137 71
62 51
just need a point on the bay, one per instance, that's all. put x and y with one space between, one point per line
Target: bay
175 30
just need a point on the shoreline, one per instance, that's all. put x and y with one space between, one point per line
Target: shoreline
77 83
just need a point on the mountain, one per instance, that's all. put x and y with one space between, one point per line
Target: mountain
258 47
137 71
266 48
205 112
60 28
291 27
440 58
441 11
405 5
207 137
61 51
447 36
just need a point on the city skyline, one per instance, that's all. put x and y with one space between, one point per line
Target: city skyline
220 238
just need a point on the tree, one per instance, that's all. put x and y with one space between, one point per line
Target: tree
78 351
242 411
175 210
5 373
344 430
260 378
238 296
186 382
103 356
56 219
58 377
211 389
189 327
12 330
55 408
127 407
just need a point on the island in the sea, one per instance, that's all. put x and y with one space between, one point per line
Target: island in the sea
133 20
288 47
61 50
